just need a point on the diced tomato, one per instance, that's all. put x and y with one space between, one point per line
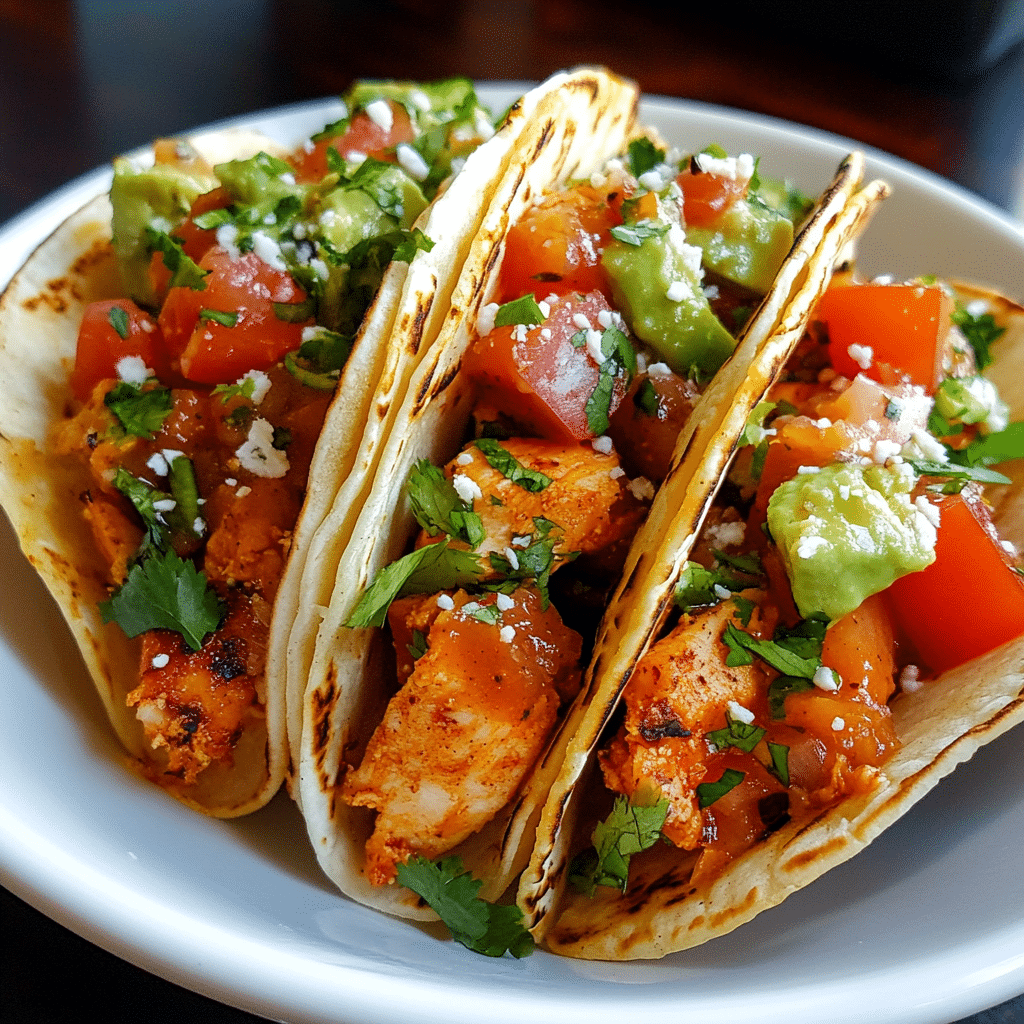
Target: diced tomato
707 196
245 288
101 345
555 247
364 136
646 438
905 327
969 600
538 377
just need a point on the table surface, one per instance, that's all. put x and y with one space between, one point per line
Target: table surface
82 81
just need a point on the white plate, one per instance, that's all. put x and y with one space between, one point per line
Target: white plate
924 926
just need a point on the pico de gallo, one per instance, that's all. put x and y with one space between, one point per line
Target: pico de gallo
851 557
197 401
607 323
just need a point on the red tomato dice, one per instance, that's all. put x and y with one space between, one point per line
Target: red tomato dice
538 377
242 290
706 196
111 330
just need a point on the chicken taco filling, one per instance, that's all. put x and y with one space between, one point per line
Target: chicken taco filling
608 322
196 403
851 558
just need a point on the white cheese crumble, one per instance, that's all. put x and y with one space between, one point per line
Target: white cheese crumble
910 679
809 544
507 634
165 505
616 472
466 487
928 510
504 602
445 603
160 660
659 370
513 559
582 322
862 355
885 450
521 542
268 250
133 370
738 713
198 526
677 291
243 492
825 679
485 319
381 114
257 453
260 382
641 488
227 239
603 444
722 593
838 725
732 167
464 458
722 535
158 464
594 339
412 163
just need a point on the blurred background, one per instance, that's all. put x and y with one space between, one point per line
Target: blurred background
938 83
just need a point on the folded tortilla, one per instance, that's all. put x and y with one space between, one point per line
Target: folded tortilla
575 131
939 727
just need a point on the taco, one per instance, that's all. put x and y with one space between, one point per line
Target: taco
436 742
846 629
169 356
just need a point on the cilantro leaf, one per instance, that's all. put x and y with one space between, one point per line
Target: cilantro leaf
452 893
780 761
381 182
165 592
709 792
644 155
243 388
780 688
141 413
118 319
697 586
419 645
954 471
795 652
438 507
629 828
619 358
980 331
519 311
736 734
634 234
423 571
536 561
501 459
185 272
218 316
646 398
991 449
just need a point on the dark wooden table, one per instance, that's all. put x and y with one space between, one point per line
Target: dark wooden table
82 81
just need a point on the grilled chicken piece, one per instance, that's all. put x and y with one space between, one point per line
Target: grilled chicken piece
472 718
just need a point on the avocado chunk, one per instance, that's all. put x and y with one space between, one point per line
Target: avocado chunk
657 286
747 244
847 531
160 197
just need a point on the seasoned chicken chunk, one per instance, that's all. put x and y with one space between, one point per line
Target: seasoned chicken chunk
588 498
677 694
460 736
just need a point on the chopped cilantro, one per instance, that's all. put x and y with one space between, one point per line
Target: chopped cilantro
963 473
619 357
451 892
140 413
243 388
519 311
991 449
419 645
438 508
631 827
185 272
218 316
486 613
536 561
644 155
980 331
736 734
165 592
295 312
709 792
696 586
426 570
508 465
118 319
780 688
381 183
634 234
646 398
780 761
795 652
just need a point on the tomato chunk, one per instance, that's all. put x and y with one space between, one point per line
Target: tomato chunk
706 196
901 329
363 135
539 377
555 247
969 600
111 330
244 332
